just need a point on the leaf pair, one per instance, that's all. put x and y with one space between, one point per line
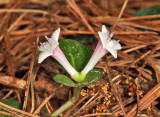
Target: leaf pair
92 77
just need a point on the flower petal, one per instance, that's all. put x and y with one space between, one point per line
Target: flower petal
44 46
103 38
104 30
117 45
112 51
43 55
55 35
113 46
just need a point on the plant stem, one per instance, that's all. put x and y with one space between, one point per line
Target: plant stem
68 104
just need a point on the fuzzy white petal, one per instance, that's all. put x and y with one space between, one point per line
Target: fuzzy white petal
116 44
112 47
103 38
112 51
43 55
41 48
44 46
55 35
104 30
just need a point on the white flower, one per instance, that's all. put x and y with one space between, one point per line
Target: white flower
111 45
104 45
51 48
47 48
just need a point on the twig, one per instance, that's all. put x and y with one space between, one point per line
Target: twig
8 94
69 110
24 11
29 78
104 114
91 99
6 113
113 19
43 103
34 73
120 14
13 25
75 7
6 107
10 63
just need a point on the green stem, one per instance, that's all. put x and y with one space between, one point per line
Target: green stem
68 104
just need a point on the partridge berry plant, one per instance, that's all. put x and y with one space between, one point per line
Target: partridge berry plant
78 60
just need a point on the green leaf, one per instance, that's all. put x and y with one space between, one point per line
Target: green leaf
92 76
152 10
77 54
12 103
62 79
84 39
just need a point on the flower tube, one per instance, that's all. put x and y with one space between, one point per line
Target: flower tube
51 48
105 45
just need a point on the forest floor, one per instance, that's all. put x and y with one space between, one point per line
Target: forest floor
131 83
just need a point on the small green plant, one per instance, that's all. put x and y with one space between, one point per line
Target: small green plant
78 60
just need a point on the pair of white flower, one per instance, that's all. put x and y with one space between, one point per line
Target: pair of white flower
105 44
